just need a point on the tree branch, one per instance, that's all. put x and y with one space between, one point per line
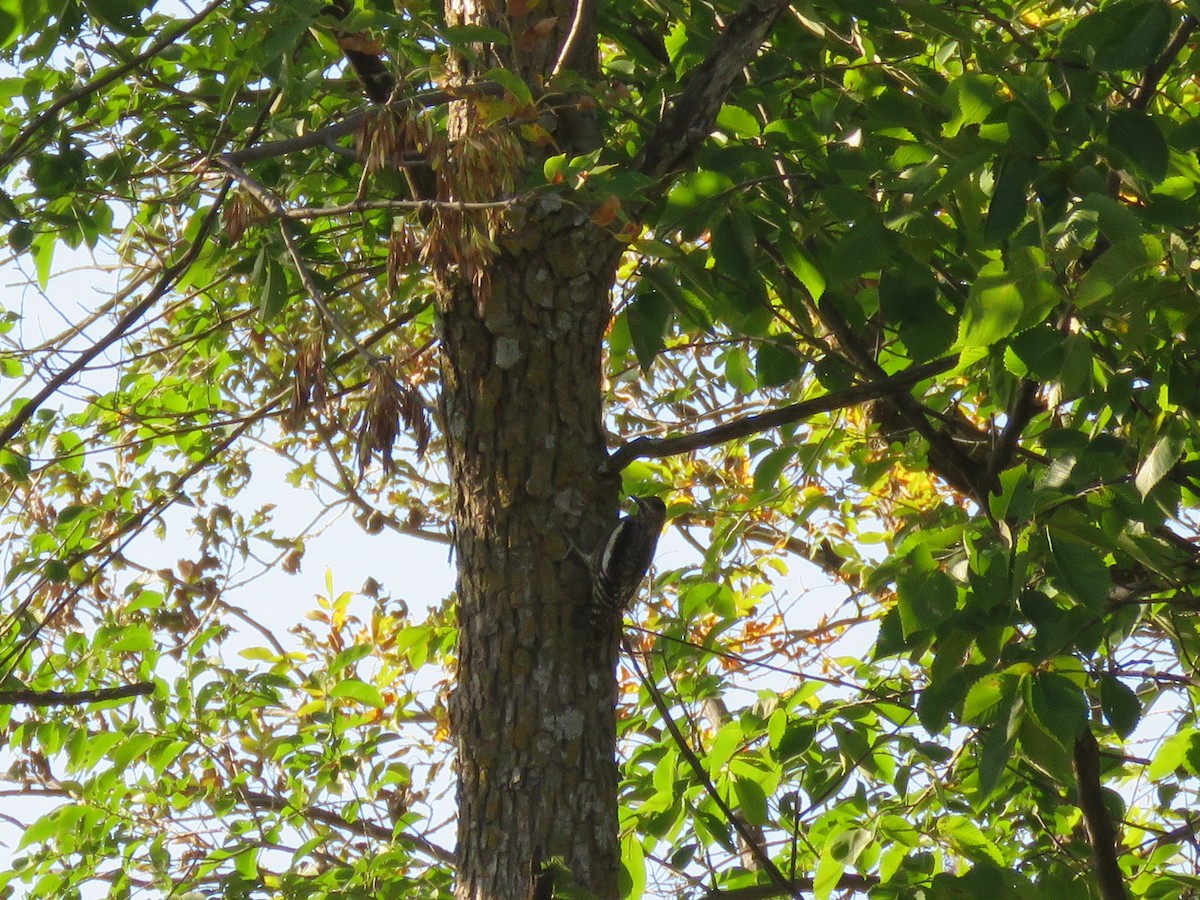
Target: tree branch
74 698
692 115
50 114
1100 829
165 282
360 827
1148 86
685 748
322 136
659 448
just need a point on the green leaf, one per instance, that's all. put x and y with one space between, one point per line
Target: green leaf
693 198
1037 353
1009 198
752 801
132 639
359 691
990 700
1129 34
864 248
274 291
1059 706
1079 570
1004 299
995 751
737 371
969 840
1167 451
803 267
797 737
829 872
1118 269
513 83
733 247
738 122
1121 706
20 237
925 599
724 745
633 867
42 249
908 298
770 467
1138 137
464 35
1171 754
777 364
648 315
260 654
971 98
123 15
10 25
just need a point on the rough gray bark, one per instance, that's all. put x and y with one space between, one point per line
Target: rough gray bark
533 714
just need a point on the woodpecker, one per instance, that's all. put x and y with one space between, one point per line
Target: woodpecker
623 558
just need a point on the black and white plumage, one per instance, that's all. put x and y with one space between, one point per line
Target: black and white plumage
623 558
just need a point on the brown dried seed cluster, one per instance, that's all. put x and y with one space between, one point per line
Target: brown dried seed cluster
395 138
392 407
483 167
404 249
308 386
236 215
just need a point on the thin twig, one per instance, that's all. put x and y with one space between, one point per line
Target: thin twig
359 827
165 282
685 749
275 206
50 114
319 212
585 11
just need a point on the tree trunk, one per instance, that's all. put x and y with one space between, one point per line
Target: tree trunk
522 329
534 710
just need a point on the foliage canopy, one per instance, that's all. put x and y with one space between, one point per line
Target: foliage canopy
921 310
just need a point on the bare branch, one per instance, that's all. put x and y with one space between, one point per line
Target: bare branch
359 827
692 115
659 448
74 698
1101 834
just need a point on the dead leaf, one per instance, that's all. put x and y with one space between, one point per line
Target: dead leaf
607 211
